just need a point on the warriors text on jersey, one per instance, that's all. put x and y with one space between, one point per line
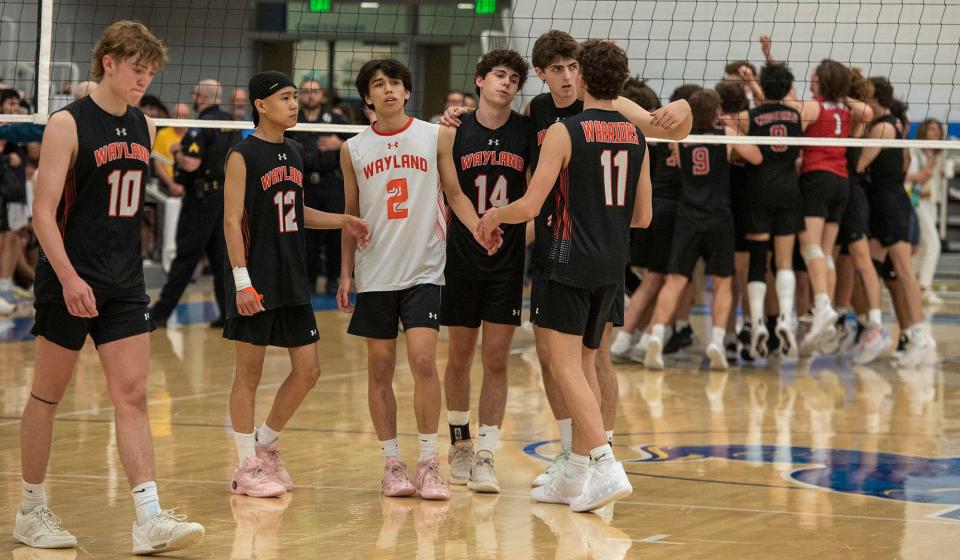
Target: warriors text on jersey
273 228
400 198
99 214
491 167
594 200
543 114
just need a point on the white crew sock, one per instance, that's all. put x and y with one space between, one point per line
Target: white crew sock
266 436
246 445
621 342
610 437
644 339
756 293
488 438
680 325
32 495
822 302
577 465
718 334
146 501
602 454
875 318
786 292
566 433
657 332
390 448
6 284
428 446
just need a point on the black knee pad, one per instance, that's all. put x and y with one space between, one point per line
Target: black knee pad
889 272
758 260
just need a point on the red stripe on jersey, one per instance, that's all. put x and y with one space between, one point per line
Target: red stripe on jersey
563 222
442 218
67 200
834 121
245 230
373 127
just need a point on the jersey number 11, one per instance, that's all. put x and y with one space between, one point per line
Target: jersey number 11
611 184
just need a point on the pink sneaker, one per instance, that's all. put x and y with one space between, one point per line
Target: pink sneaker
430 482
273 464
395 482
252 479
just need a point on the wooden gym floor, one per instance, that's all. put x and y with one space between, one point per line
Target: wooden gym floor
800 460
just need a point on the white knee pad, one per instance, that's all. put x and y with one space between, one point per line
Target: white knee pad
810 252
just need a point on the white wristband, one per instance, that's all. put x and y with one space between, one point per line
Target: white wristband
241 278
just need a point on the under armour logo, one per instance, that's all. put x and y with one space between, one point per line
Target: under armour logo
431 315
146 316
313 332
558 119
493 142
516 312
281 156
537 311
393 145
121 132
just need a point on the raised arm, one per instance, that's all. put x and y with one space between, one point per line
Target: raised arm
60 145
749 152
671 122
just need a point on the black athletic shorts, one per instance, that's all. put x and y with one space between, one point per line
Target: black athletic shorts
618 308
738 197
891 219
825 195
650 247
776 211
286 327
117 318
379 314
578 311
712 241
466 302
855 224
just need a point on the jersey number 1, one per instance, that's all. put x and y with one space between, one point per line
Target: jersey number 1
288 219
611 184
124 193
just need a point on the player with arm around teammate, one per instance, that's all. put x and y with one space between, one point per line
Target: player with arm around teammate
264 220
87 215
595 164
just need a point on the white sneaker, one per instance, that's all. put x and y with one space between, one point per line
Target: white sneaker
483 476
41 529
606 484
622 356
653 358
164 533
460 459
931 298
873 341
822 328
638 352
784 333
561 489
758 341
917 351
6 307
717 356
556 467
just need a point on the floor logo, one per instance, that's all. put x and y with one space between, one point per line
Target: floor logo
891 476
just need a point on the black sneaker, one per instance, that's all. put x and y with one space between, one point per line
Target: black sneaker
679 340
773 342
744 338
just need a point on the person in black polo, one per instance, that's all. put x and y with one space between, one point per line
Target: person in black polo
199 163
323 181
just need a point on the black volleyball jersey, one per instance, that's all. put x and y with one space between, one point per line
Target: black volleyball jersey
594 200
491 167
664 170
273 228
886 173
779 167
705 175
543 114
853 157
100 210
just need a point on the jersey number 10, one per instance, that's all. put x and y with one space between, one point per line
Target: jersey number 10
614 188
124 193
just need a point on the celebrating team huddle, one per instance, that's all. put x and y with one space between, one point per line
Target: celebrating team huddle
437 221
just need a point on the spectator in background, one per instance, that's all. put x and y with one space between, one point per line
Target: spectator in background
928 175
323 181
13 199
455 98
82 89
469 101
168 137
239 103
153 107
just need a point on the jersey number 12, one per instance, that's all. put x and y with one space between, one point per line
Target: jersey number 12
614 188
288 219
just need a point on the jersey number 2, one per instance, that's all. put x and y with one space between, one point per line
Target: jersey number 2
611 184
124 193
397 189
288 219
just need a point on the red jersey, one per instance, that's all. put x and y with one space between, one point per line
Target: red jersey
833 122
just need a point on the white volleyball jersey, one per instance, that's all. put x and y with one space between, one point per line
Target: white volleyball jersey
400 198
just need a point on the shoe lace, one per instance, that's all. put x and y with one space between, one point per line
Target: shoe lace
430 474
48 519
483 463
397 471
273 455
462 452
168 519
